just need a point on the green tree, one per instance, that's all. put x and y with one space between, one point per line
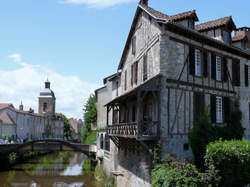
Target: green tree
90 116
67 130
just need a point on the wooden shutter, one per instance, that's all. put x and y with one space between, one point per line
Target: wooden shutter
213 108
125 83
134 45
191 60
246 76
136 72
236 72
226 109
199 105
145 68
224 69
205 69
213 66
132 74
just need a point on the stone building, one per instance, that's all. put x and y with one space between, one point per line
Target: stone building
18 123
171 69
76 127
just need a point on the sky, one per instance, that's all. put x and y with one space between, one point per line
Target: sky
76 43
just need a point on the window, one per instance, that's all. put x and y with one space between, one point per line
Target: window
125 81
136 72
132 75
226 37
45 105
145 68
219 111
191 24
218 68
134 45
197 62
107 143
117 87
101 141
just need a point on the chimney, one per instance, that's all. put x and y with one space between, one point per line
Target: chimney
144 2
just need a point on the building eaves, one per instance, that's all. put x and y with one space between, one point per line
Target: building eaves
216 24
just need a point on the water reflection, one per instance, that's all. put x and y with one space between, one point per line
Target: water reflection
55 170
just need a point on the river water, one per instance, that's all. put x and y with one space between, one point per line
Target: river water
63 169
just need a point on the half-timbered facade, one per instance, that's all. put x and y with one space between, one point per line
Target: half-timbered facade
171 71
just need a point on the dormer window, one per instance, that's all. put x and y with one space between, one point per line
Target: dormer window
191 24
226 37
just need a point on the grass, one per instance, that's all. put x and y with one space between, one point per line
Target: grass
91 138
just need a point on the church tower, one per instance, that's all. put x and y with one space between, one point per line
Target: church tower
47 100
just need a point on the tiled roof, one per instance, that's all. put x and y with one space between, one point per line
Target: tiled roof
239 37
177 17
6 119
5 105
185 15
215 24
155 13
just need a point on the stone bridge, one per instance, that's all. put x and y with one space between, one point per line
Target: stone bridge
48 145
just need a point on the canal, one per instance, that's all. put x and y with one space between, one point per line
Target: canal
64 169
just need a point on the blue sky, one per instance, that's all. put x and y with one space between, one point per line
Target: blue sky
80 41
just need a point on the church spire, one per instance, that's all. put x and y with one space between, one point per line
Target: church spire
21 106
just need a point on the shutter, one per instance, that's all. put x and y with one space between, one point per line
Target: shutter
246 76
132 74
196 106
226 109
213 108
213 66
136 72
205 72
236 72
191 60
225 72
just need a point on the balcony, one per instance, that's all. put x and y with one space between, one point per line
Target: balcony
141 131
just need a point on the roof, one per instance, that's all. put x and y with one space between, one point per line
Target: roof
111 77
159 16
185 15
216 24
47 93
11 107
5 105
239 37
6 119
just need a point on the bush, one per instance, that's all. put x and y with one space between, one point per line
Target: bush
103 178
205 132
12 158
232 160
176 174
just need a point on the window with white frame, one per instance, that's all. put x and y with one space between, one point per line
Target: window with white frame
219 111
197 62
218 68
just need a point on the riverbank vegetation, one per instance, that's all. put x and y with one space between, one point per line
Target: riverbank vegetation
222 157
103 178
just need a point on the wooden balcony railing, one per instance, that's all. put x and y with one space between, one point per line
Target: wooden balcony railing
144 130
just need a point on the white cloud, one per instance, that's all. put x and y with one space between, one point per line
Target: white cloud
16 57
98 3
26 82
